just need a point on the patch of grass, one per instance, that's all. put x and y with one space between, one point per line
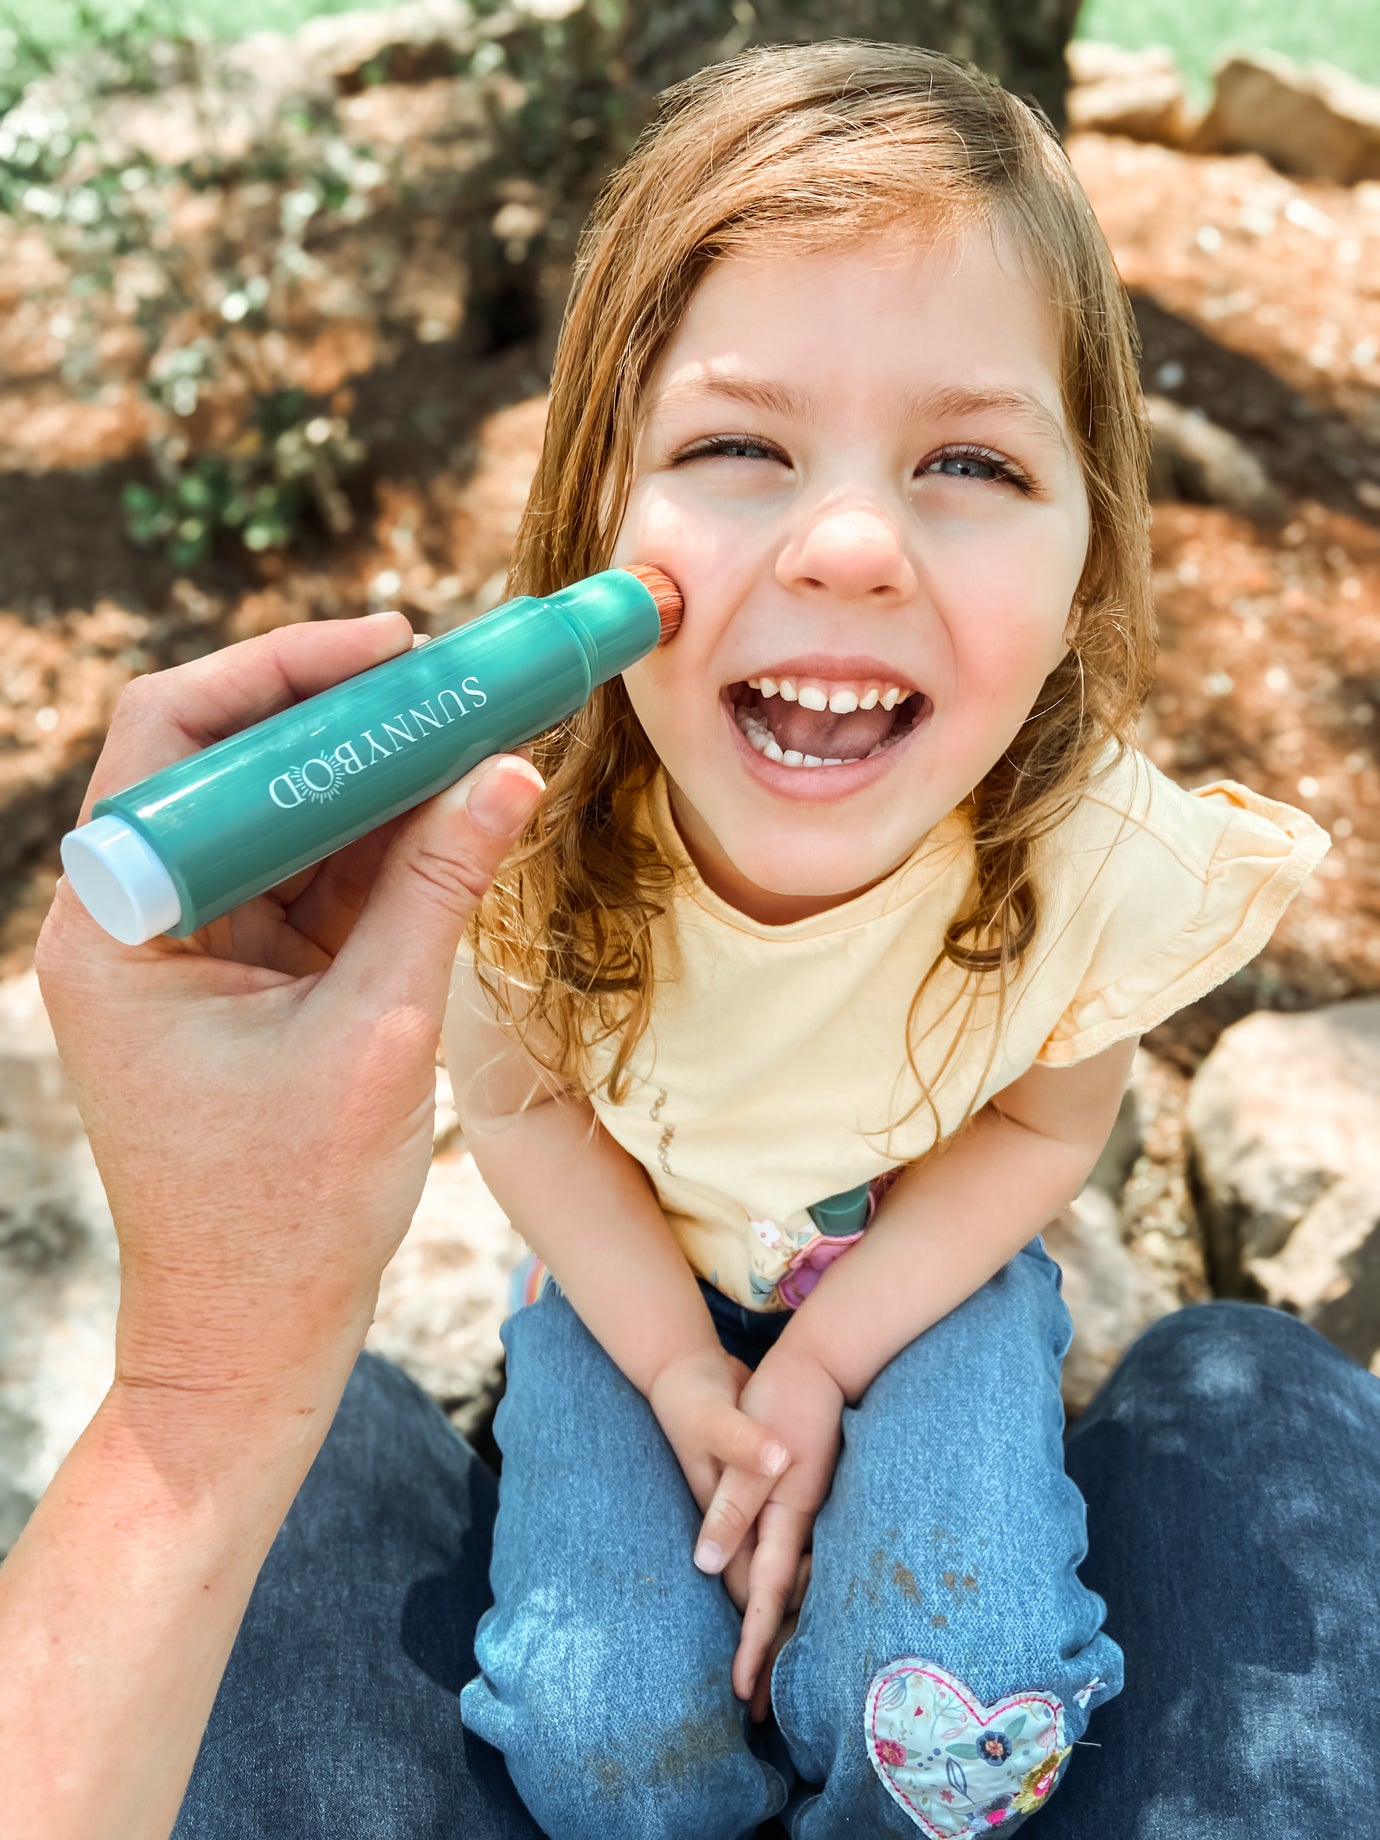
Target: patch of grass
1341 32
59 23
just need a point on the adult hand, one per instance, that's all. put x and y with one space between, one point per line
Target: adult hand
259 1097
259 1094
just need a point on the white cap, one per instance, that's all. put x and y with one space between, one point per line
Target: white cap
120 880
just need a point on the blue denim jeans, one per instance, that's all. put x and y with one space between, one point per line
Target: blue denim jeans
947 1656
1231 1470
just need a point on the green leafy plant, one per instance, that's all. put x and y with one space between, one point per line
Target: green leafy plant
288 466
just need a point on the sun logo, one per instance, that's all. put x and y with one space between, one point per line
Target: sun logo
317 781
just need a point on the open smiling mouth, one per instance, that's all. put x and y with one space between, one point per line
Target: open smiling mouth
804 722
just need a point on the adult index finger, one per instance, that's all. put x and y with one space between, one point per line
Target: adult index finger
170 714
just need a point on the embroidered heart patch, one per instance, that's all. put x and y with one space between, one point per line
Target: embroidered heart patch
957 1767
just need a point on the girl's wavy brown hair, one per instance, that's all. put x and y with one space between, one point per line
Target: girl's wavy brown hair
797 149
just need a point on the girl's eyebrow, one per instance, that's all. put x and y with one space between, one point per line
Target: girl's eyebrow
959 398
754 392
936 403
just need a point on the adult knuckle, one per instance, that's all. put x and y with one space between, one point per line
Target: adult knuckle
456 881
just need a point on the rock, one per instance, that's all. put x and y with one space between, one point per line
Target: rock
1284 1125
1159 1226
402 44
1136 93
1195 460
1122 1147
1313 120
59 1263
1111 1297
46 429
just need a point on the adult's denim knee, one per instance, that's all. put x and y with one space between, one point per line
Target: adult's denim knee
338 1713
1231 1466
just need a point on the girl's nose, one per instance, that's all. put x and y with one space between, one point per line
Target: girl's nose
852 552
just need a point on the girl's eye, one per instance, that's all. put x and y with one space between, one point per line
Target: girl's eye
731 447
971 457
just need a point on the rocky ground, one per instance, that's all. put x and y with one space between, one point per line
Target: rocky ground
1258 298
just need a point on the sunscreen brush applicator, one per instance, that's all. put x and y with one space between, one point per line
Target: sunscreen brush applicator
201 836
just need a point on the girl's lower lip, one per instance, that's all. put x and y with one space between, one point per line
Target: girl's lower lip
816 785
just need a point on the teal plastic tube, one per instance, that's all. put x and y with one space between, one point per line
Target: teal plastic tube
196 839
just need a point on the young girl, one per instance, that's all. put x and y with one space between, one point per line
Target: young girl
812 996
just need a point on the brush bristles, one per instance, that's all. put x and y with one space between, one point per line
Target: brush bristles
670 603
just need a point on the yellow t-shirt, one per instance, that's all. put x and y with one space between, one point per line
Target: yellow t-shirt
775 1060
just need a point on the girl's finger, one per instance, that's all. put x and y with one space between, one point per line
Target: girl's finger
772 1581
736 1504
735 1574
802 1581
760 1704
702 1476
740 1441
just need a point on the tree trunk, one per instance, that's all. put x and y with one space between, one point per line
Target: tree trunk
587 80
1020 42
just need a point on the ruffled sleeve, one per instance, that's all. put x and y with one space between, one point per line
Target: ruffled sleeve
1191 889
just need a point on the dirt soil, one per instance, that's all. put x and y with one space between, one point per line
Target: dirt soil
1258 299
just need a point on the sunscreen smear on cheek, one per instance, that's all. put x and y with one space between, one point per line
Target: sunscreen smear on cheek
203 835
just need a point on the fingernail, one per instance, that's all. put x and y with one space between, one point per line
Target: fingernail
386 635
501 803
708 1556
775 1457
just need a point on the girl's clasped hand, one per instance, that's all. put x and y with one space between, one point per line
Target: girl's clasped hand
760 1473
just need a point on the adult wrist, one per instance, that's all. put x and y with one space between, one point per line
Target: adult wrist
247 1338
244 1440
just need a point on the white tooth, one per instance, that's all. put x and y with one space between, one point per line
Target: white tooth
891 696
811 697
813 760
793 757
759 737
868 699
787 689
772 749
843 702
833 763
754 683
767 685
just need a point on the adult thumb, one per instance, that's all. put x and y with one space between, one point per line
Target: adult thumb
437 870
